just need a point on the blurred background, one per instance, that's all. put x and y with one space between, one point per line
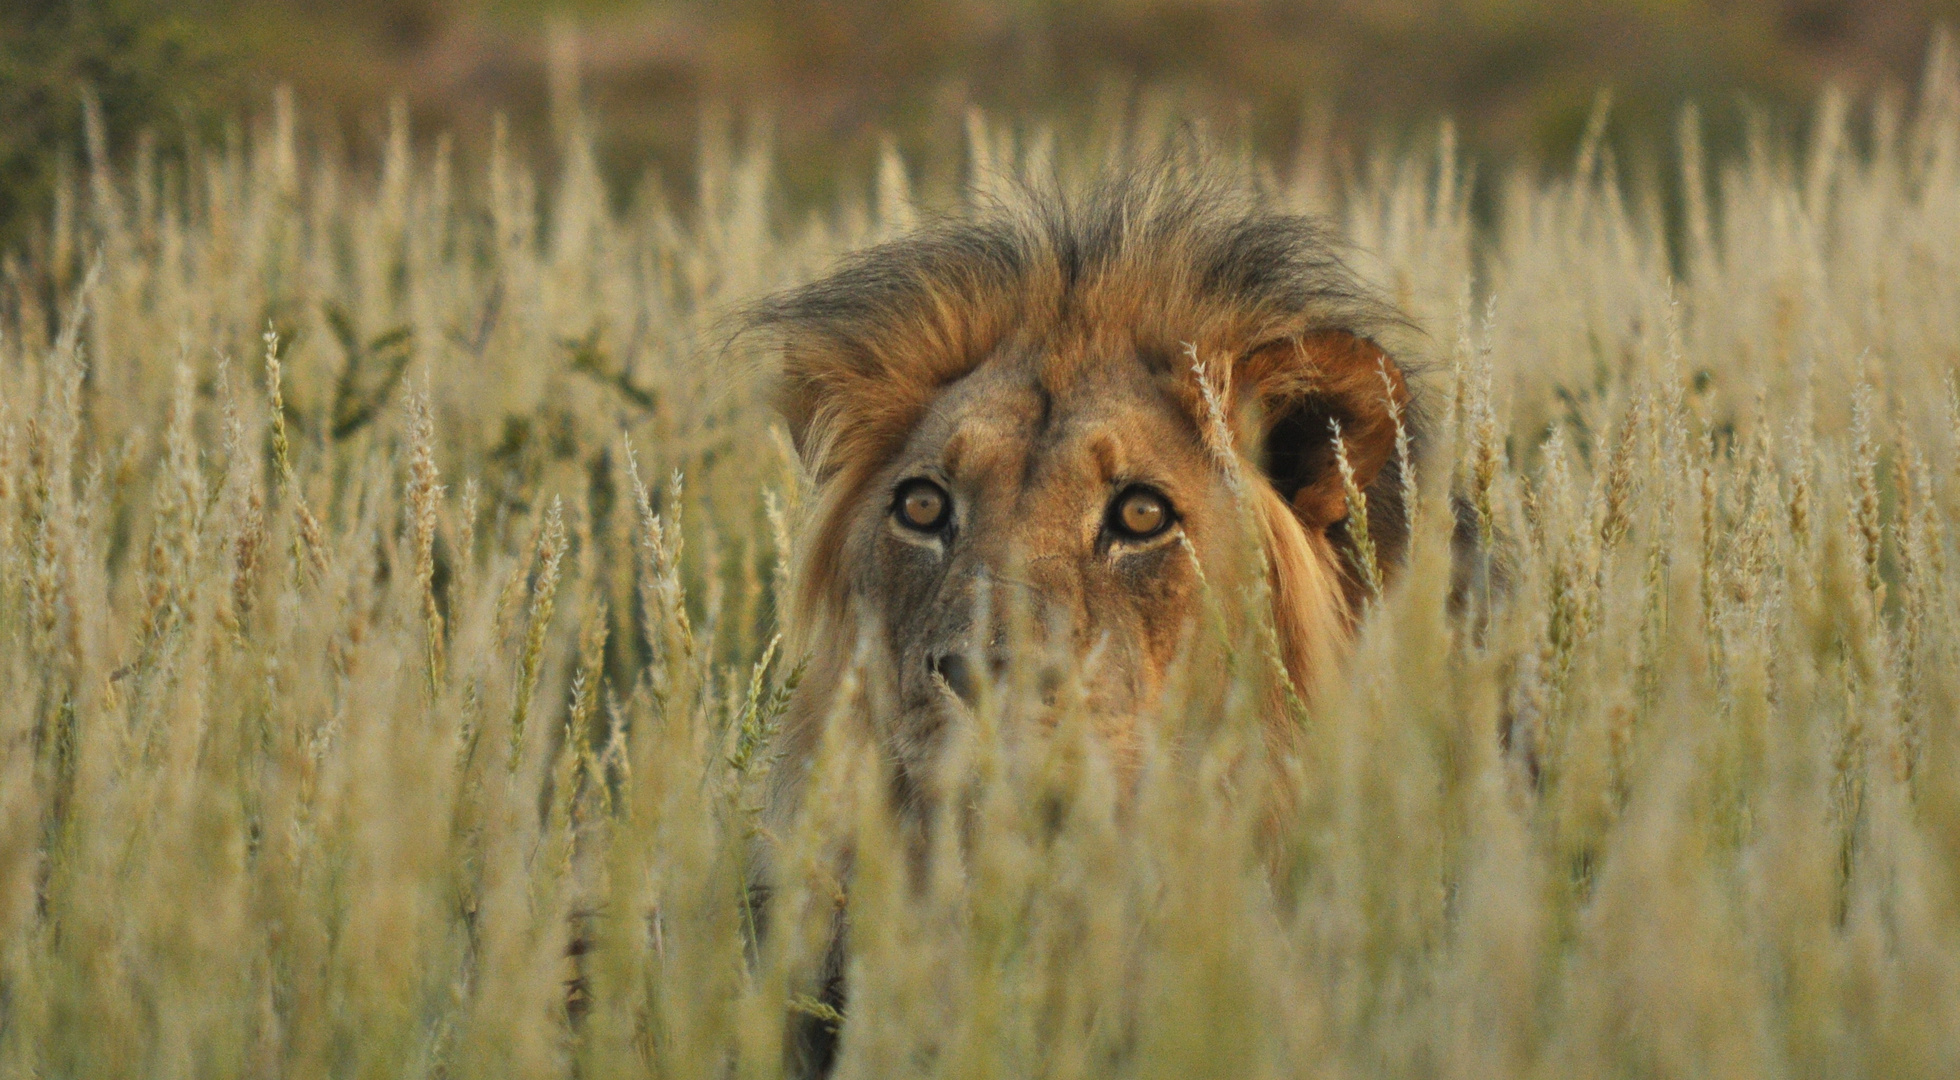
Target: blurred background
827 80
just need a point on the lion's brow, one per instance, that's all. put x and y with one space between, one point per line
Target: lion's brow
1106 450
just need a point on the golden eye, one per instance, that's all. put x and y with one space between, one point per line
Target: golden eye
923 505
1139 514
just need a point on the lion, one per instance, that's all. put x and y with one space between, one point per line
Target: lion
1078 402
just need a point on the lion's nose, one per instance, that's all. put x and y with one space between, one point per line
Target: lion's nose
957 671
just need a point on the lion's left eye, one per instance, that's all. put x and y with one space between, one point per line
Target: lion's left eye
923 505
1139 513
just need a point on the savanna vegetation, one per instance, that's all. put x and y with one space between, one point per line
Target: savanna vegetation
836 79
388 567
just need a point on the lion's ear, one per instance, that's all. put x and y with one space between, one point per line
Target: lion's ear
798 400
840 408
1305 387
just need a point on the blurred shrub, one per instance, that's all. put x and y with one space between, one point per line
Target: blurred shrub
836 78
150 69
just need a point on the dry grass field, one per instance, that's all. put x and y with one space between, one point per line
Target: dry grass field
387 580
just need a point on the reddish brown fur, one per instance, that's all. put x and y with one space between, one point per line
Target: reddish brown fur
1036 364
867 352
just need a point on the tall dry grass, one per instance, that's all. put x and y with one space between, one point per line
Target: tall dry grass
387 570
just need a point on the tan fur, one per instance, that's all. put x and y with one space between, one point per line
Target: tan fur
1037 364
1113 295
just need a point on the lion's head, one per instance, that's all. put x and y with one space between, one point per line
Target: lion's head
1079 405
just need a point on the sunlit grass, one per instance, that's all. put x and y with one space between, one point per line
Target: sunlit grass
387 594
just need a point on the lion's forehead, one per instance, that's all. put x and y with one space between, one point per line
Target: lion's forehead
1012 422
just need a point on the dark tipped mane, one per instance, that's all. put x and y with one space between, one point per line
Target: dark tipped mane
1207 253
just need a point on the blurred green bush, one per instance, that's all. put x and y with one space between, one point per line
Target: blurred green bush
836 78
150 68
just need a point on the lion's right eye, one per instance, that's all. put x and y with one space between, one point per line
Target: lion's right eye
923 505
1139 514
